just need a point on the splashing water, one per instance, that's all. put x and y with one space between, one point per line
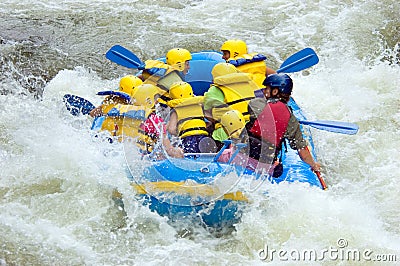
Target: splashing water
57 179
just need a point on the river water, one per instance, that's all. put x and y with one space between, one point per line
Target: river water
57 179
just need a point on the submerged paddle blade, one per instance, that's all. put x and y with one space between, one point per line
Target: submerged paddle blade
333 126
299 61
77 105
123 57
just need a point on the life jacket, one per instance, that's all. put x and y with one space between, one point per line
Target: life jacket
190 116
272 122
238 90
124 120
266 135
254 65
155 71
113 99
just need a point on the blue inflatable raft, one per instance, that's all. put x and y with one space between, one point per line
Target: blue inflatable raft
199 188
194 188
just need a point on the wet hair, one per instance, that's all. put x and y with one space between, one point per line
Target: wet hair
284 97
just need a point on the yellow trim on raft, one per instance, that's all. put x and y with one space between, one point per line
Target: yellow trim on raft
183 188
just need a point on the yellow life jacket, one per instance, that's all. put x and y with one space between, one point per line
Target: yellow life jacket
146 143
110 102
124 120
238 90
254 65
161 75
153 70
190 116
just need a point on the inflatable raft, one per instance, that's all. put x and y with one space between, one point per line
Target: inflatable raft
204 189
200 187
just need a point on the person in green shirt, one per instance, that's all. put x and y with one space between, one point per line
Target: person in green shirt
231 90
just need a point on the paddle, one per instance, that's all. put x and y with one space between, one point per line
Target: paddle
77 105
226 145
123 57
299 61
332 126
239 146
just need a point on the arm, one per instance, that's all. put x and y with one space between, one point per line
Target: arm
102 108
157 123
172 151
297 142
269 71
306 157
98 111
173 124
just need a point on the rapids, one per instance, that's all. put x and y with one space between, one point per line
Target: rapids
57 179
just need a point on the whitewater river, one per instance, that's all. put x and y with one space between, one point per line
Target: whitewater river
56 179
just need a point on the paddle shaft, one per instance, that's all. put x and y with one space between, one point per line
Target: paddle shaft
239 146
321 180
332 126
226 145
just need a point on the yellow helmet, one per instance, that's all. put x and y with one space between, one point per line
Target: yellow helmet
221 69
180 90
177 57
128 83
145 95
233 122
235 47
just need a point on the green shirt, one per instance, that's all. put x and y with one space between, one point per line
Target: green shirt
220 134
213 97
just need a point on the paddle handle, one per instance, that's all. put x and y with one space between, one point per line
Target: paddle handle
321 180
332 126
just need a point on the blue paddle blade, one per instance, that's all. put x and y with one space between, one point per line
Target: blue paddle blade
333 126
77 105
299 61
123 57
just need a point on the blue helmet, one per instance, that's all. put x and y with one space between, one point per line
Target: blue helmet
281 81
